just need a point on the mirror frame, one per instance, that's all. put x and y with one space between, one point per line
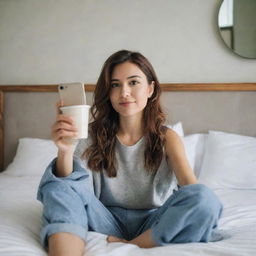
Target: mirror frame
230 33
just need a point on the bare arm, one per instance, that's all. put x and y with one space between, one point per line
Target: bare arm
64 164
177 159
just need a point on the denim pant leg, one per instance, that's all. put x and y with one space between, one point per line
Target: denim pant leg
69 205
189 215
132 219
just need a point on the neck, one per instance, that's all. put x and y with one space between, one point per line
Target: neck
131 128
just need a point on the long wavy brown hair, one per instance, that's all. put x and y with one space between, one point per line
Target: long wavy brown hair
105 125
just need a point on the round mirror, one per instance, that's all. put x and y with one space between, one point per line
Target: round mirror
237 25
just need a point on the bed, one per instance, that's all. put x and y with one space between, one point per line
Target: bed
220 143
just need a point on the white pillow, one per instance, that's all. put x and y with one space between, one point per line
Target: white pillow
199 154
229 161
32 157
177 128
194 147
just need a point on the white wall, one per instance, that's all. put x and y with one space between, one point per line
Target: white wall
52 41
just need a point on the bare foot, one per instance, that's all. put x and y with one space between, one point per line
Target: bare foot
114 239
144 240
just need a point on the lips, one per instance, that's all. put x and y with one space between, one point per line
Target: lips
126 103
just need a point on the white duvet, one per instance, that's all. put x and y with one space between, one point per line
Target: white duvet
20 221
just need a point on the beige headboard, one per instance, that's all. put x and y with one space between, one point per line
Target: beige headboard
29 111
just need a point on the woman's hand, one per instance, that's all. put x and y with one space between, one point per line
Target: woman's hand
63 131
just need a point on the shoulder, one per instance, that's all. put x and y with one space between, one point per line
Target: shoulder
173 142
172 137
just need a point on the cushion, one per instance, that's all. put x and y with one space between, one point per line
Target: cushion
32 157
229 161
194 147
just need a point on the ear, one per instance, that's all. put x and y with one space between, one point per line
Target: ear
151 88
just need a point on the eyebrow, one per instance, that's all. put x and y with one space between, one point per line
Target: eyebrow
127 78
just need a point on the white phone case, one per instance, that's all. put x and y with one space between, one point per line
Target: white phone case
72 94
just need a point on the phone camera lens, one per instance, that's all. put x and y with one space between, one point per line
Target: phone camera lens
61 87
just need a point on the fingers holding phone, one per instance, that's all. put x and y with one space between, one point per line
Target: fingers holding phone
64 130
72 116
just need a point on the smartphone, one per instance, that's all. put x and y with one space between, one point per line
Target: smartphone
72 94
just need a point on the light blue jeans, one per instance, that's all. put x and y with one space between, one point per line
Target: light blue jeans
190 214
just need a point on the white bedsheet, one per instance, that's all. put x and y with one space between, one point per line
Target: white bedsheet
20 221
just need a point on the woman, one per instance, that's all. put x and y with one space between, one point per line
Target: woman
130 179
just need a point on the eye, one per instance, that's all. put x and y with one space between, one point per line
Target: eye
134 82
114 85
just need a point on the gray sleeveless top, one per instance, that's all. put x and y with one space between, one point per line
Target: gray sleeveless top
134 187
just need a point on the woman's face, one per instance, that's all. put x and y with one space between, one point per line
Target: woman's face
129 89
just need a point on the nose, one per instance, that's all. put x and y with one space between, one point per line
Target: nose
125 90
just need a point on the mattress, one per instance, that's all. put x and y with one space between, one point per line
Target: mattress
20 222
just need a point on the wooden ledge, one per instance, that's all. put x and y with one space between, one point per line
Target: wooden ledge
165 87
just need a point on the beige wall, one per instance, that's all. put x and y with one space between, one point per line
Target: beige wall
52 41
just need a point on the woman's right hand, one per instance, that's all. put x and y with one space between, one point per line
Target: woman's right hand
63 130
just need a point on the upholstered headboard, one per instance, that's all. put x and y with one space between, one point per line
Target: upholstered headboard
29 111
